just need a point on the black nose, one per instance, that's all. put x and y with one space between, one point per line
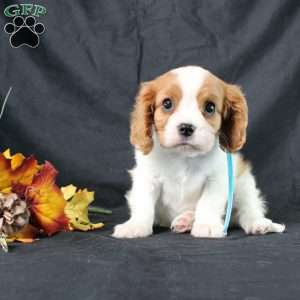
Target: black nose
186 129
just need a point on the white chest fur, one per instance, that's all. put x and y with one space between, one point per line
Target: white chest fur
179 179
181 188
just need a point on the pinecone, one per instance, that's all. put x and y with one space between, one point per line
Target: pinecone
14 213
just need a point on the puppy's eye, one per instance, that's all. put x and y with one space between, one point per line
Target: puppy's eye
167 104
210 108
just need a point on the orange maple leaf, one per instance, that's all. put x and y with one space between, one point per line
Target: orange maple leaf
46 201
23 174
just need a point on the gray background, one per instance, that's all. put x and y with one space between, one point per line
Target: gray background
70 105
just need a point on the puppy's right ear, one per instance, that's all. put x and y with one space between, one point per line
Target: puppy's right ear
142 118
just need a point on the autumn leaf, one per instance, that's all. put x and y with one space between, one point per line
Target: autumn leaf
46 201
15 160
6 190
28 234
68 191
21 171
77 209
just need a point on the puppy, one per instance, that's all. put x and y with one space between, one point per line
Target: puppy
182 124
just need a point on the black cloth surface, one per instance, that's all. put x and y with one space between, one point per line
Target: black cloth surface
94 265
70 104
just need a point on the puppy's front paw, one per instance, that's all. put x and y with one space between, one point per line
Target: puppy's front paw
129 230
208 230
263 226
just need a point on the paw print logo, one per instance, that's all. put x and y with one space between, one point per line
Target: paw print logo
24 31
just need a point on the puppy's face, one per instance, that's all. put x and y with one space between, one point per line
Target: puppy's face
189 109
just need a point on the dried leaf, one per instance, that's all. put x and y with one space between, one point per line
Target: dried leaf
7 153
15 160
23 174
68 191
7 190
3 242
28 234
47 201
77 211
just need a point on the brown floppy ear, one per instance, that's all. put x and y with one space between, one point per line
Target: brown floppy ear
235 119
142 118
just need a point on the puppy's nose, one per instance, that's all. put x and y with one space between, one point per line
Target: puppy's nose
186 130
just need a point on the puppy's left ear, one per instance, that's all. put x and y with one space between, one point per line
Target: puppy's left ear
235 119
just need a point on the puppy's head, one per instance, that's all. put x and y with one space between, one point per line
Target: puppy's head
189 109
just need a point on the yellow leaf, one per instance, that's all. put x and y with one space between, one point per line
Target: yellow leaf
77 211
15 160
7 154
22 175
6 190
68 191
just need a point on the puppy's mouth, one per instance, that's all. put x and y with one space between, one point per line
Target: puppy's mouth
185 145
181 144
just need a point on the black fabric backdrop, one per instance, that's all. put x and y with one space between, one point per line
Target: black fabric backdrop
70 104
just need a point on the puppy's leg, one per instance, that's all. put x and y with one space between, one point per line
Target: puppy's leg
183 222
250 206
210 210
141 200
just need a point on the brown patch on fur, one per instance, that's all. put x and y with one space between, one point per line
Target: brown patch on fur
230 118
167 87
235 118
142 118
212 91
148 110
242 166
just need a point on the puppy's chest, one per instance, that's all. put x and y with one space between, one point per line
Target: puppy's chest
181 188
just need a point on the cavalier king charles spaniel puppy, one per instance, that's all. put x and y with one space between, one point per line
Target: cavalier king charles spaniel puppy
182 124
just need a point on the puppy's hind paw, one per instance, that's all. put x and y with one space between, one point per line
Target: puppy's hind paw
183 222
129 230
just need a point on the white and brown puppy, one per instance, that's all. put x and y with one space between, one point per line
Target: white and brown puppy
181 124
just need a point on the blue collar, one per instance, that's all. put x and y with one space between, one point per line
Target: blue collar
230 192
